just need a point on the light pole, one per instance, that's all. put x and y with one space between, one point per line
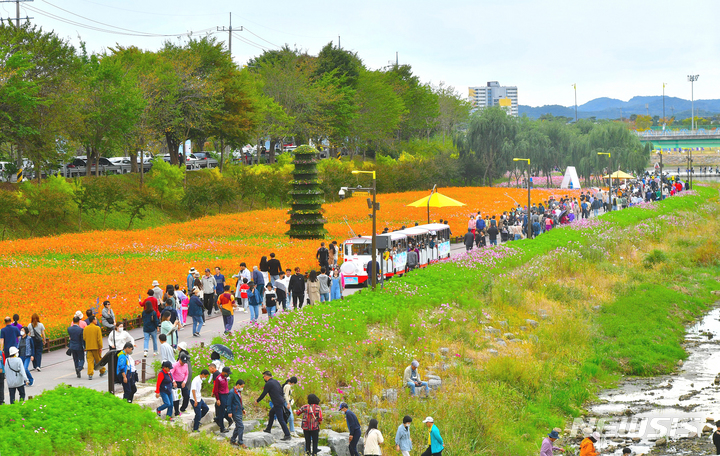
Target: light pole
610 179
664 122
692 78
529 228
374 226
575 87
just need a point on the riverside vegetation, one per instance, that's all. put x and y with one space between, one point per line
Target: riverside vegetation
575 309
585 304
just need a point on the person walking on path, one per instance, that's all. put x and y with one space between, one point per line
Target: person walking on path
281 291
270 300
237 410
287 389
259 279
547 447
27 352
119 337
180 373
208 289
353 426
219 285
337 286
166 351
311 420
435 441
9 337
254 302
37 332
201 409
169 329
15 373
403 442
324 282
163 390
92 335
313 287
195 311
126 371
153 303
469 240
150 326
297 288
273 389
157 291
16 322
322 255
75 334
242 274
241 296
221 392
373 439
182 305
226 301
190 279
108 316
274 269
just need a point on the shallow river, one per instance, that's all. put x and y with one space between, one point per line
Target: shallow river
675 407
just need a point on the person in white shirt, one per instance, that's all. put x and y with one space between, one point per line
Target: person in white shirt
201 409
166 351
119 337
373 439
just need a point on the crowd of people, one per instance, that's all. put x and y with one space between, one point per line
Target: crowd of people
513 224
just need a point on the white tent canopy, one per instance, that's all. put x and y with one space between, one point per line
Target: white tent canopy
570 180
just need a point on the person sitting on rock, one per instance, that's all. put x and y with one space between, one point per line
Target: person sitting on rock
411 379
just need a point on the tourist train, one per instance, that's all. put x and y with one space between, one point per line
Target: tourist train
432 242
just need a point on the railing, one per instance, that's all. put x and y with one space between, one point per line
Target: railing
62 342
676 133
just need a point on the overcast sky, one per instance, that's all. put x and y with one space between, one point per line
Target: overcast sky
613 48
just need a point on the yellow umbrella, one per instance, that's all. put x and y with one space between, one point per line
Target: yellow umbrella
620 175
435 199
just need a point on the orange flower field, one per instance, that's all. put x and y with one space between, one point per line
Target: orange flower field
57 276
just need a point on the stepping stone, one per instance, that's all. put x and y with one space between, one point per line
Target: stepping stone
294 447
258 439
532 323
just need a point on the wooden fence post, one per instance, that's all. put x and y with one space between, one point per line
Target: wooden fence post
142 373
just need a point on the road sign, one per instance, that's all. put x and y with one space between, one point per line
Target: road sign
356 193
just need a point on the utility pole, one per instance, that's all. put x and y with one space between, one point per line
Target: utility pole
664 122
229 30
339 47
692 78
575 87
17 11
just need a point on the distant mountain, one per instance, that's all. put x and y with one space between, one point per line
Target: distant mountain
611 108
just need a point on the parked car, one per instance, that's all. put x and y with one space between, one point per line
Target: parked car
75 168
190 161
124 163
205 160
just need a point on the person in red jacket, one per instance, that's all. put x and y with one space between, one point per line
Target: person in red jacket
221 392
164 387
153 300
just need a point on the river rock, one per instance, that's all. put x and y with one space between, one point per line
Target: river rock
661 442
692 435
294 447
250 425
491 330
707 429
434 381
532 323
493 352
444 351
338 442
501 343
390 395
258 439
509 335
503 324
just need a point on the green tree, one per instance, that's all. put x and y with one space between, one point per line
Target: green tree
453 110
167 182
14 207
488 143
49 204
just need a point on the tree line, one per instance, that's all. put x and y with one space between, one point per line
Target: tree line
491 139
57 101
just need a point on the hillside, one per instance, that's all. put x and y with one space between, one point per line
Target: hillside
610 108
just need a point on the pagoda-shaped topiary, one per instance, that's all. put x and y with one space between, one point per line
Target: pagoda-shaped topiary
306 220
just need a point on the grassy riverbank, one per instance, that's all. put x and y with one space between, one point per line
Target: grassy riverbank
609 297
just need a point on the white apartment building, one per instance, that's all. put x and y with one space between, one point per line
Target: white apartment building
494 95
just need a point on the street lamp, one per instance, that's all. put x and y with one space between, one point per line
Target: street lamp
692 78
529 229
610 179
374 226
